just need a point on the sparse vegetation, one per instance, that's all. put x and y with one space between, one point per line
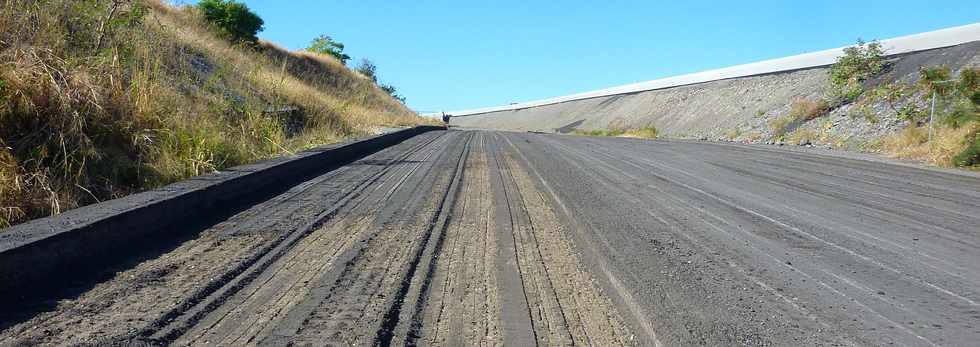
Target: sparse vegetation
954 138
647 132
912 143
599 132
324 44
732 134
893 94
102 98
369 70
802 136
859 63
803 110
970 155
956 111
780 125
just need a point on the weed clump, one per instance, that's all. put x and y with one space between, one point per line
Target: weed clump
969 156
647 132
780 125
802 136
803 110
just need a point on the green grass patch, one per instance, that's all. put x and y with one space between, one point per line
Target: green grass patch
970 156
648 132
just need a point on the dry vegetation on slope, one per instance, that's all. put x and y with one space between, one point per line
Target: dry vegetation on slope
100 99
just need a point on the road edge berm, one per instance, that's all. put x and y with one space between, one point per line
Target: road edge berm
51 251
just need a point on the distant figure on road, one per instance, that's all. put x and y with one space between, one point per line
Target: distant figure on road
445 118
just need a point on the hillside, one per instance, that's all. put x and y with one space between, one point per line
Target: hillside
750 109
100 99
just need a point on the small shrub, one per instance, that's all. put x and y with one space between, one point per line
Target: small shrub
969 156
870 117
802 136
804 110
967 107
957 101
963 112
232 19
390 89
647 132
893 94
934 79
368 69
324 44
859 63
600 132
969 84
732 134
779 125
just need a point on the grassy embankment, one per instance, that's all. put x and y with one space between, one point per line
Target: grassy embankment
100 99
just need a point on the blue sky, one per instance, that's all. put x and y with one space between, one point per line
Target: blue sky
444 55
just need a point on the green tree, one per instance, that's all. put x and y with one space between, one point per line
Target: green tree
324 44
232 19
368 69
390 89
859 63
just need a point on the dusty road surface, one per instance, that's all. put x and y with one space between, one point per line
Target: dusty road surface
494 238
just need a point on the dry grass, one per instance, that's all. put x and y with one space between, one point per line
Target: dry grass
647 132
90 112
807 135
779 125
732 134
912 143
805 109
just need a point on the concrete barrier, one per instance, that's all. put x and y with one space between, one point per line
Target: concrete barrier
52 251
895 46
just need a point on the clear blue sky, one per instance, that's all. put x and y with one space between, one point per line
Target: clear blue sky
444 55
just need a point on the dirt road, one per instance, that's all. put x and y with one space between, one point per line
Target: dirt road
494 238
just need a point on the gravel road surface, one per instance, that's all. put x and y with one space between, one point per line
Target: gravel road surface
503 238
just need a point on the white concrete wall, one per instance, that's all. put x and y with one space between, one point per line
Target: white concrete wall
911 43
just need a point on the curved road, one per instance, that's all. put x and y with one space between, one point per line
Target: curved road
476 237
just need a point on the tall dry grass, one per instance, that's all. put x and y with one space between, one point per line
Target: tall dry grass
100 98
804 110
913 143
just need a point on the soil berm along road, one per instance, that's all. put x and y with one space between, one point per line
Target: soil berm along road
467 237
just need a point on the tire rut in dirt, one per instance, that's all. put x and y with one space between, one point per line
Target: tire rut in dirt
549 299
126 306
289 290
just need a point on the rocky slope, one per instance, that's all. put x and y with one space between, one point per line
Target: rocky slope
738 109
